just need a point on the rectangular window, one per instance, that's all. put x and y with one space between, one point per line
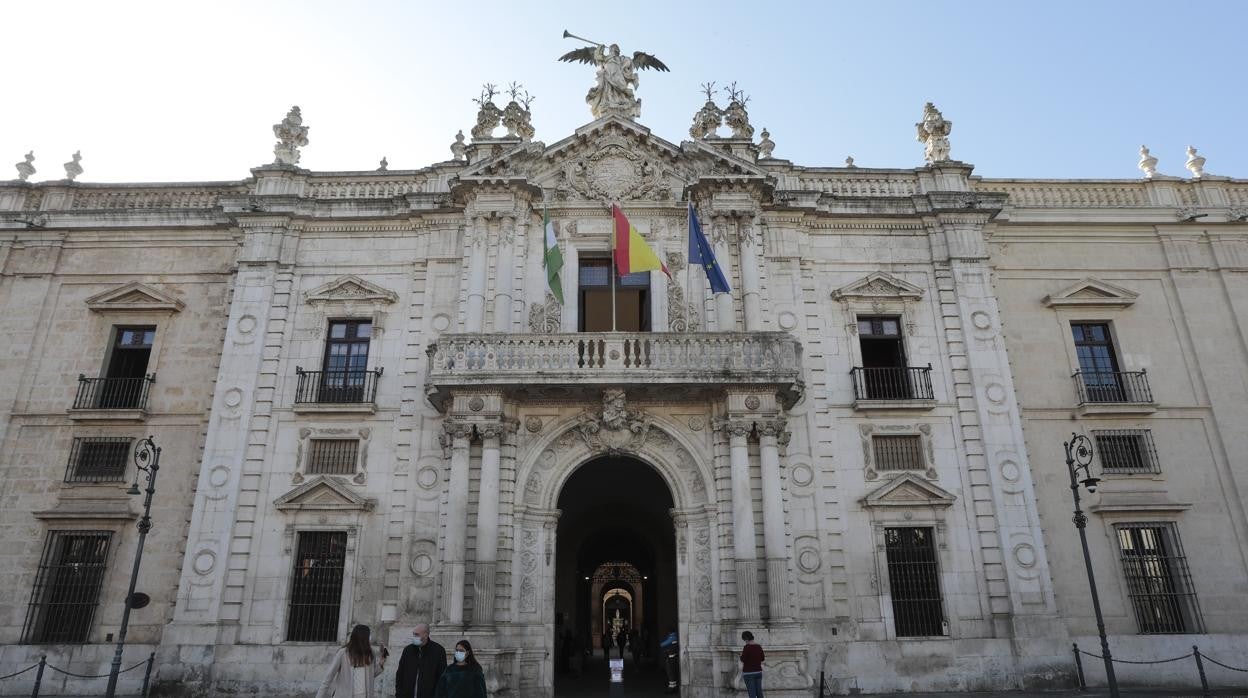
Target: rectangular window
332 456
67 587
1098 363
98 459
125 384
1158 581
346 361
1126 451
632 298
884 375
898 452
316 590
913 581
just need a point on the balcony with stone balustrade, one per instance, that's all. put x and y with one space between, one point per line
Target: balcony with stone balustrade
658 365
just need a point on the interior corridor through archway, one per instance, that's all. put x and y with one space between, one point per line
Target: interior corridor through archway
615 577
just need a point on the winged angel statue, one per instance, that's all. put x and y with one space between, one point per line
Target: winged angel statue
617 76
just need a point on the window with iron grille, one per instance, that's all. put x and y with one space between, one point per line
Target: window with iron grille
914 582
895 452
98 459
332 456
67 587
1126 451
1158 581
316 589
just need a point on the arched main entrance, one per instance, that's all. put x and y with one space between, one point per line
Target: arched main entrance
615 575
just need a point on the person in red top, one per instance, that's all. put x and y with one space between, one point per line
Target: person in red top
752 666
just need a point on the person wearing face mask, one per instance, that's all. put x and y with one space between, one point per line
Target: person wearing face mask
464 678
420 666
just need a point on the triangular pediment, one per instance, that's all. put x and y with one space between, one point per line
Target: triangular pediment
351 288
1092 293
879 285
909 490
611 158
134 296
323 493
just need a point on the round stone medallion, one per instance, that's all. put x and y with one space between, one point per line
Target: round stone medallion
422 565
204 561
218 476
427 477
476 404
808 560
802 475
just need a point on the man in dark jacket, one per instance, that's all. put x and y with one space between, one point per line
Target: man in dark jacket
420 667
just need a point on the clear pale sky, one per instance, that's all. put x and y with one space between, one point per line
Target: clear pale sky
180 91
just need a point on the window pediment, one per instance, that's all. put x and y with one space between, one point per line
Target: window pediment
350 289
323 494
876 287
134 296
909 490
1092 293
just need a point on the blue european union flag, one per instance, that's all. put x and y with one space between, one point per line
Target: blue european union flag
702 254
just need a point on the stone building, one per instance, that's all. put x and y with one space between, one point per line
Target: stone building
373 409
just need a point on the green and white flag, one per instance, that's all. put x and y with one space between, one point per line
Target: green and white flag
552 258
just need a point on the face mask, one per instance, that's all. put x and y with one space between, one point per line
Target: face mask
416 641
460 655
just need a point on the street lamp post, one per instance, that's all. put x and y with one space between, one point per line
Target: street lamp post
147 460
1079 459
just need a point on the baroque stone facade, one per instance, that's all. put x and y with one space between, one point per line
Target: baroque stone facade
891 372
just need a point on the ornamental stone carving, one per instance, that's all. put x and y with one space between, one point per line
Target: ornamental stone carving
489 116
616 429
516 117
1195 163
291 136
26 168
1148 163
933 132
547 317
681 317
615 171
736 117
458 148
708 119
766 145
73 168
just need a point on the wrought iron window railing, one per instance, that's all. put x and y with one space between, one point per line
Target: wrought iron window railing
67 587
113 393
336 387
1159 583
98 459
1113 386
893 383
316 590
914 582
898 452
1126 451
332 456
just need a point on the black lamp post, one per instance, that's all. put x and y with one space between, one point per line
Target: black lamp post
146 459
1078 460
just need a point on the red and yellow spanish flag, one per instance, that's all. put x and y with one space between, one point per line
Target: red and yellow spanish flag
632 254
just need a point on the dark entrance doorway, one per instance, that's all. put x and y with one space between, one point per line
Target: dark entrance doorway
615 578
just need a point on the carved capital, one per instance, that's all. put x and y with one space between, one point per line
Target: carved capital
772 428
497 429
735 427
457 430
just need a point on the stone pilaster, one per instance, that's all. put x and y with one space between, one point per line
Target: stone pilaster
775 542
474 314
455 541
742 519
504 275
748 239
487 521
725 320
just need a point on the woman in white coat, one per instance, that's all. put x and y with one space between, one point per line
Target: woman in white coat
354 668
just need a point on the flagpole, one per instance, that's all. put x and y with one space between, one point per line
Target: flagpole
689 269
613 289
614 242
